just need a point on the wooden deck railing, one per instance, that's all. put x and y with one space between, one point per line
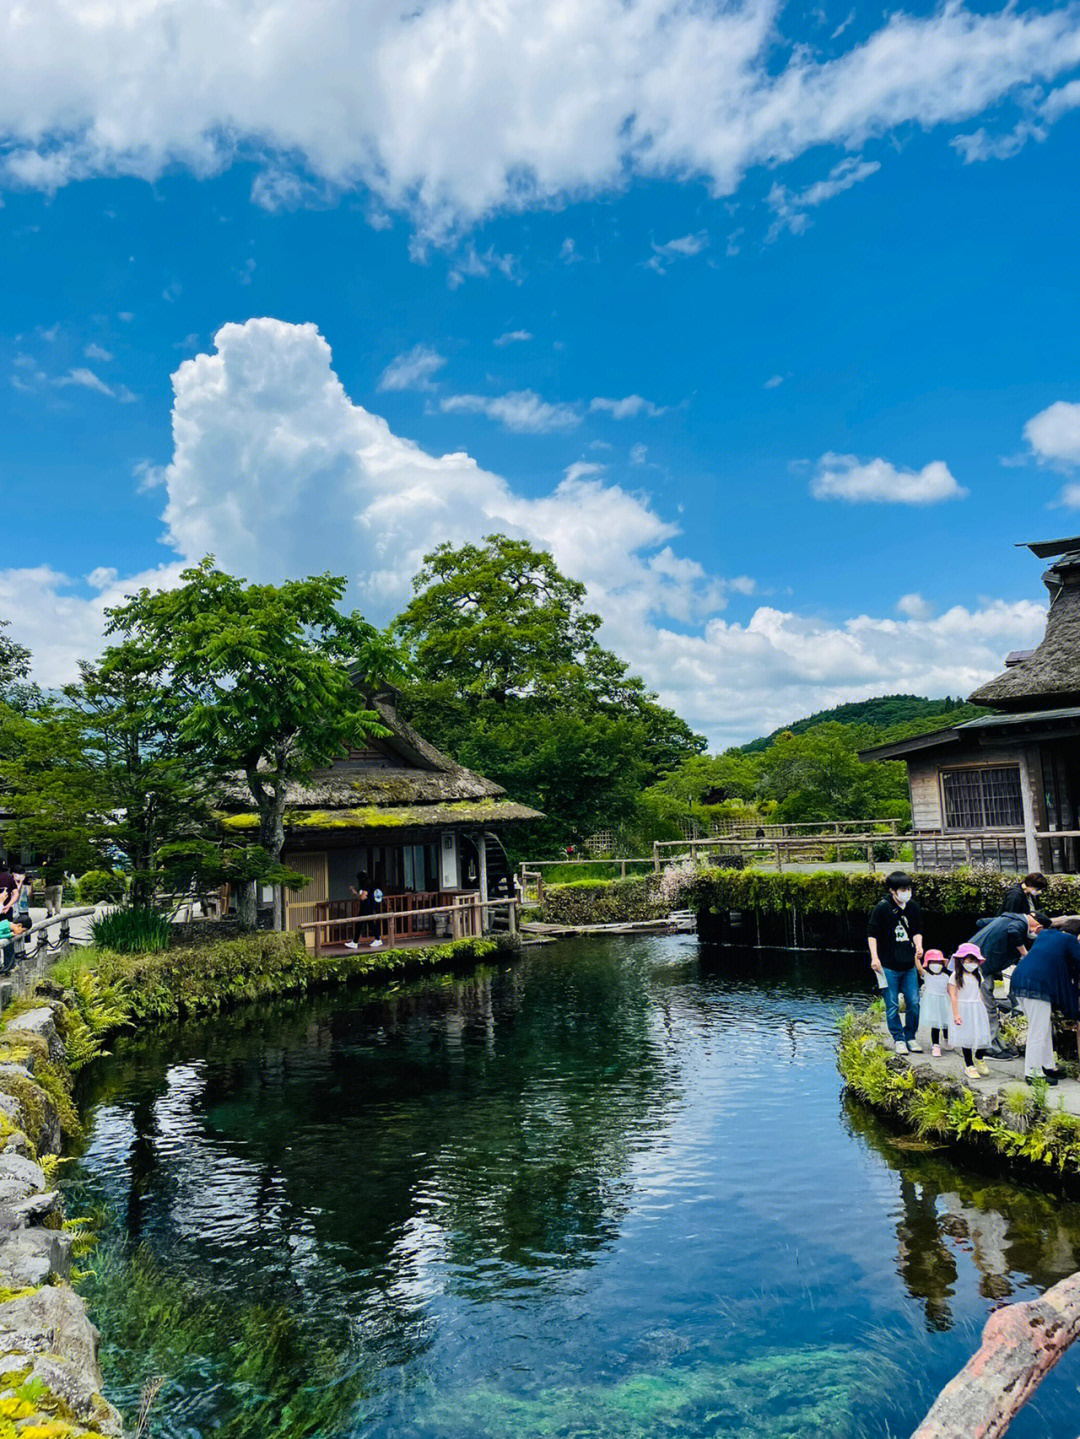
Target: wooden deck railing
465 918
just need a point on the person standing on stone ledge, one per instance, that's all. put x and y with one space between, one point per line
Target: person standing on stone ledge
894 937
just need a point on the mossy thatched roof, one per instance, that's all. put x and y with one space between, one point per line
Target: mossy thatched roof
401 781
1050 677
413 816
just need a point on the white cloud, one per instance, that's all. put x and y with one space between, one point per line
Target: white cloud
266 439
790 207
412 371
1043 111
94 351
846 477
520 410
51 613
1070 497
914 607
681 248
1054 434
433 110
472 264
513 337
580 468
639 454
627 408
85 379
773 382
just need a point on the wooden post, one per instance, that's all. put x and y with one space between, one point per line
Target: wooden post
779 860
65 935
656 856
481 849
870 856
455 921
622 868
967 848
391 930
511 910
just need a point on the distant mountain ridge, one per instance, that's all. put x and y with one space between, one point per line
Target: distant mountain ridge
883 718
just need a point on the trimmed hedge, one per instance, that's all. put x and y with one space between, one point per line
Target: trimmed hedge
598 901
975 891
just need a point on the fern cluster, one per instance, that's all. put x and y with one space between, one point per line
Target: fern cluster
1022 1128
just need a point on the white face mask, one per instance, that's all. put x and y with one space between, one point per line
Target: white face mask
971 965
902 897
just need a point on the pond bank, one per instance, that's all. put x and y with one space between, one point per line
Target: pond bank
50 1380
1034 1129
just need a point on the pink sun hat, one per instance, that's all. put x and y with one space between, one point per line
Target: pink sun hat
969 951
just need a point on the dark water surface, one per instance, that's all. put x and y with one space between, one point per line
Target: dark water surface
610 1190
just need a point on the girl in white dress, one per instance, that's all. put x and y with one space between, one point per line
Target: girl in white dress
969 1028
934 1007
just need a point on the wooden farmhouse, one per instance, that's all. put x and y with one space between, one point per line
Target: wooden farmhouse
1004 789
406 820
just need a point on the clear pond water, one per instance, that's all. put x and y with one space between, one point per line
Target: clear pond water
612 1190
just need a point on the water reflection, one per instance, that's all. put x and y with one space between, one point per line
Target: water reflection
605 1186
1015 1237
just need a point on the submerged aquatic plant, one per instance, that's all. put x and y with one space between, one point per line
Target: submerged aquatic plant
228 1364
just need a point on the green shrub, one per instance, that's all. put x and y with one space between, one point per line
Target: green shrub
98 886
130 989
976 891
593 901
132 931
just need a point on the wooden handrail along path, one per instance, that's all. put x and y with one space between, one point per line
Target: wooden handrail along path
30 962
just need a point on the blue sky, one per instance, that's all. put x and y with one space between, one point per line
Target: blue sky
763 319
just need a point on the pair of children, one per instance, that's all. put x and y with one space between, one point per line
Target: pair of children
952 1001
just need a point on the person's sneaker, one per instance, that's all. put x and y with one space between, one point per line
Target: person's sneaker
1000 1052
914 1046
351 944
971 1071
1051 1076
935 1053
375 944
982 1066
901 1047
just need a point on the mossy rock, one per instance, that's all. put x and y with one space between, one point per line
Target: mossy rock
41 1119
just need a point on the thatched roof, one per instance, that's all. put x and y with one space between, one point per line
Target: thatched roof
1051 675
390 817
400 779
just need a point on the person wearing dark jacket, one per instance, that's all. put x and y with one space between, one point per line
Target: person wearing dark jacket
1002 942
894 938
1023 898
1046 982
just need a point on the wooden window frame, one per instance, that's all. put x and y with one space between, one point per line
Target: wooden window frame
980 769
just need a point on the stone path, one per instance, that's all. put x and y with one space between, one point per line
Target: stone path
1004 1073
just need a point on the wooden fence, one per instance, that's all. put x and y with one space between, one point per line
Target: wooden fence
466 917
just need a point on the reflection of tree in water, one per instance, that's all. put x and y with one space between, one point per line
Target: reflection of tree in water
1013 1235
492 1117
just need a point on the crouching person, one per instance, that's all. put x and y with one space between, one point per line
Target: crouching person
894 937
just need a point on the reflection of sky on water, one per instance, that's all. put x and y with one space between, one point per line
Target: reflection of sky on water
607 1159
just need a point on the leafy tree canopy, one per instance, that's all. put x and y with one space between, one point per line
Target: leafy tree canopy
263 674
510 679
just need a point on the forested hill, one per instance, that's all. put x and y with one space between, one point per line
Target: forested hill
893 716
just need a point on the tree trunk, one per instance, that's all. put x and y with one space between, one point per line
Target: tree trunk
246 907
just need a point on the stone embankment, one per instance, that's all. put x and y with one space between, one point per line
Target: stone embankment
50 1381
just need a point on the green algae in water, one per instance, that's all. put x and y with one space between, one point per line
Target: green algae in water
782 1395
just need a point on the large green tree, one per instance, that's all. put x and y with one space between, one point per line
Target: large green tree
509 677
263 676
